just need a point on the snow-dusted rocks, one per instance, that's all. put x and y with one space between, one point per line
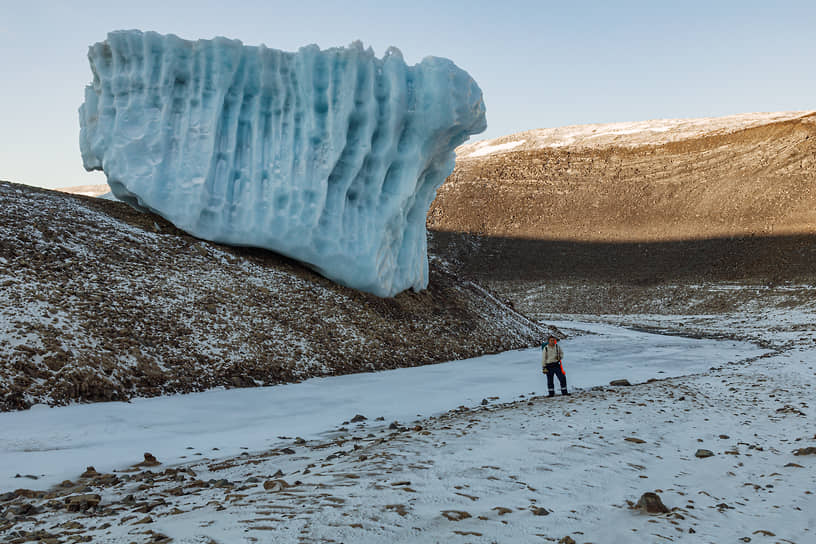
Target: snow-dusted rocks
330 157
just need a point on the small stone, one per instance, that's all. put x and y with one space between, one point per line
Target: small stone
456 515
149 461
90 472
702 454
618 383
651 504
566 540
635 440
276 485
358 418
81 503
287 451
539 511
805 451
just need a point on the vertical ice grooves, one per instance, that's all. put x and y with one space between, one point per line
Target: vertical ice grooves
331 157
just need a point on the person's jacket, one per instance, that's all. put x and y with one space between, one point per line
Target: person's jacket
549 351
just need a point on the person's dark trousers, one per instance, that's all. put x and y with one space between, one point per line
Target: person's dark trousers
555 369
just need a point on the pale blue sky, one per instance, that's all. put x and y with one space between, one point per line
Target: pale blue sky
540 64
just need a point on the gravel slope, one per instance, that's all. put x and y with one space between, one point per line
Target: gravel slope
100 302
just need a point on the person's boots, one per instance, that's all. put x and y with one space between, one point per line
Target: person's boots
552 393
564 392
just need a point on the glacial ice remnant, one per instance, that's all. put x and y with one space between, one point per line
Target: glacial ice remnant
331 157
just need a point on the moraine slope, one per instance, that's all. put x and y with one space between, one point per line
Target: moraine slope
673 216
745 175
99 302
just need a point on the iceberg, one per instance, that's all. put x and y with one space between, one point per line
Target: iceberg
331 157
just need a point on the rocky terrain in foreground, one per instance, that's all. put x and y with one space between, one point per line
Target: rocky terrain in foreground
100 303
728 453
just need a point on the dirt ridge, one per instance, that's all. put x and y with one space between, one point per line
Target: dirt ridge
100 302
753 182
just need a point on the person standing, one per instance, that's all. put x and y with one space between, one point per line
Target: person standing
551 365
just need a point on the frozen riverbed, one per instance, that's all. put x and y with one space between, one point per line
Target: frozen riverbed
54 444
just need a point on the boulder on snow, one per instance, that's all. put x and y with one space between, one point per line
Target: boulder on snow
651 504
620 382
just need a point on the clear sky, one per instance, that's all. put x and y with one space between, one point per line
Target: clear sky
539 63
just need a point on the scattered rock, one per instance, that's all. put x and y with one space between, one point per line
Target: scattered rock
22 509
149 461
456 515
810 450
651 504
90 472
618 383
81 503
635 440
702 454
398 508
276 485
566 540
358 418
539 511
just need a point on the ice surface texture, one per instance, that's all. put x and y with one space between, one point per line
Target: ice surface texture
330 157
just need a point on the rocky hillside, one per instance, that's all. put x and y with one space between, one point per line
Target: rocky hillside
637 217
99 302
745 175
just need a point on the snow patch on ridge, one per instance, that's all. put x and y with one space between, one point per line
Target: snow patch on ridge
626 134
496 148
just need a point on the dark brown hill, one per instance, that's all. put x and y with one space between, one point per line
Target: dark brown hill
713 183
100 302
671 216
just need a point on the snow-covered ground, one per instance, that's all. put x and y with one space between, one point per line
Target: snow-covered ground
114 435
435 462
